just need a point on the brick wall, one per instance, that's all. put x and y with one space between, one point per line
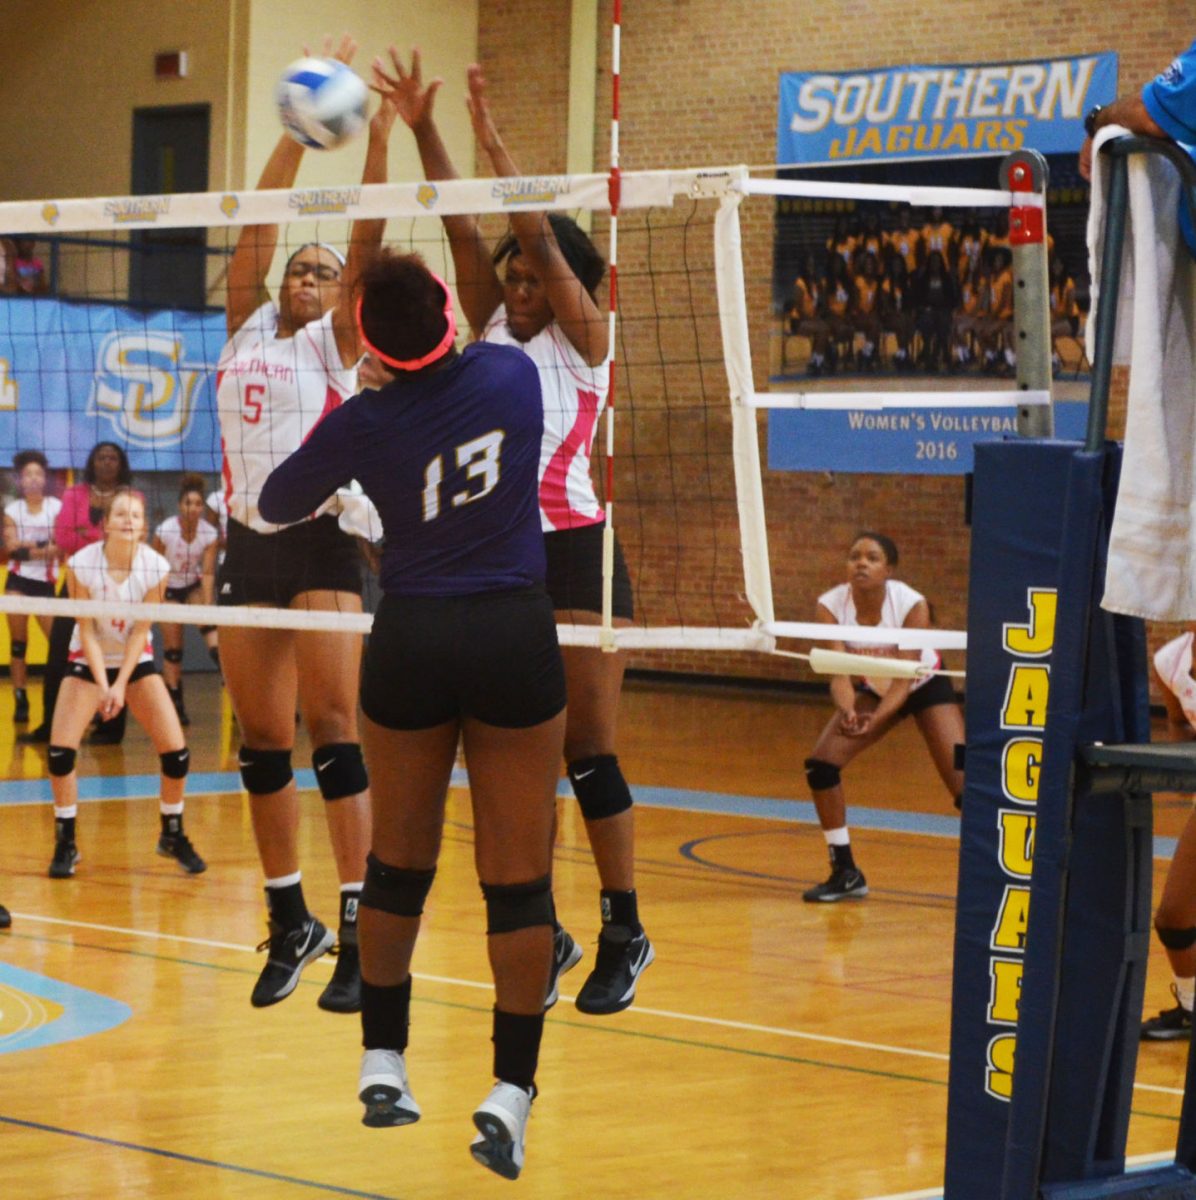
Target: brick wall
699 86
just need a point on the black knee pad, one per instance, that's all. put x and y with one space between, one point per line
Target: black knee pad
599 786
1176 939
512 906
175 763
61 760
204 630
396 890
340 770
264 771
18 649
821 775
173 656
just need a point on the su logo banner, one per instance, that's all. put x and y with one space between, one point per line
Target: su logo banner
76 374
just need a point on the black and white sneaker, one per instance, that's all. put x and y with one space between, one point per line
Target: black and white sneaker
5 918
845 883
1170 1025
178 846
290 950
343 992
66 856
622 958
384 1090
566 954
501 1121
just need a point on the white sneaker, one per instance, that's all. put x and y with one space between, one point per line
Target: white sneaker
1173 662
384 1090
502 1126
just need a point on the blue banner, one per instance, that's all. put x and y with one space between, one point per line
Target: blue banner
913 441
943 111
72 375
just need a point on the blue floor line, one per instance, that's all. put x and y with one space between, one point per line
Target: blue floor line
116 1143
795 812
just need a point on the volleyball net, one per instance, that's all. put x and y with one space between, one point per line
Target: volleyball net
679 461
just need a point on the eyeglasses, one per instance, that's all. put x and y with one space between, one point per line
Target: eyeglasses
323 273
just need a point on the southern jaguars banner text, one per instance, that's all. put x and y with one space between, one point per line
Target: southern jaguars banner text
942 111
72 375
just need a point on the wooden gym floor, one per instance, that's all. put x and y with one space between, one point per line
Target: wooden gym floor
776 1049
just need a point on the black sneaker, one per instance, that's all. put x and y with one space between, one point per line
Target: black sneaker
290 950
1170 1025
20 710
178 846
622 959
5 918
845 883
343 993
35 737
566 954
62 865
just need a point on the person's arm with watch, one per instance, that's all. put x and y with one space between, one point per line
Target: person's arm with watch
1128 111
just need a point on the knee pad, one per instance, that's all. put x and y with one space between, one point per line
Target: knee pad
175 763
340 770
173 656
1176 939
396 890
61 760
264 771
821 775
18 648
599 786
204 630
512 906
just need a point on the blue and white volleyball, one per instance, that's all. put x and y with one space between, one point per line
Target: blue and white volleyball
321 102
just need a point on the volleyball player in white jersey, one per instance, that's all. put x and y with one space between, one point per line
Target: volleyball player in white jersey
111 661
286 364
866 710
32 567
544 304
189 544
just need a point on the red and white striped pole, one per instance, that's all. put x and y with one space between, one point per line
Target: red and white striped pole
607 636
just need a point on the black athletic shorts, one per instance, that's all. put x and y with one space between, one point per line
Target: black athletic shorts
492 656
273 568
28 587
80 670
575 571
937 691
179 595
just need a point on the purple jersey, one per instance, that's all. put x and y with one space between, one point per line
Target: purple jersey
450 458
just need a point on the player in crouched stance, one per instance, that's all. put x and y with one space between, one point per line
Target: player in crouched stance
112 662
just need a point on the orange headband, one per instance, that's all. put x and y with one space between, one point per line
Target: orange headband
438 351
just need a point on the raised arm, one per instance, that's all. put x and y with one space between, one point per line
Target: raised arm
572 306
478 287
250 263
366 235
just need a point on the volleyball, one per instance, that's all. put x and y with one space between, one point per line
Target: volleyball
321 102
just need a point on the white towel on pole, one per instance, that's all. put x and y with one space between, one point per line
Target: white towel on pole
1152 547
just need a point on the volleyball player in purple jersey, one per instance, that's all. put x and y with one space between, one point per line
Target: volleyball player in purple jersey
464 647
544 304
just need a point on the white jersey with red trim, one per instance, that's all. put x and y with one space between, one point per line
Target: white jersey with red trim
574 396
271 392
34 527
900 599
185 557
90 568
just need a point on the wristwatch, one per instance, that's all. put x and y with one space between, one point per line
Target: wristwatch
1090 119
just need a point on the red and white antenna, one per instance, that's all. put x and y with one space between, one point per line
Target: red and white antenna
607 636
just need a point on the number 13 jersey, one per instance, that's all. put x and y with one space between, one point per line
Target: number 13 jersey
271 392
